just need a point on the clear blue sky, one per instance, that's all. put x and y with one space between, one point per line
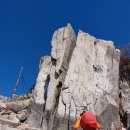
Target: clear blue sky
26 28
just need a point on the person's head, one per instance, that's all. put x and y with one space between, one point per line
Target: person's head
89 122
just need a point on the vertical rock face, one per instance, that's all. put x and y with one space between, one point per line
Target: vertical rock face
91 83
80 75
125 103
125 96
52 72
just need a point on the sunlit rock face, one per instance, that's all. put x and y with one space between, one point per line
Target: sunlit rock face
80 75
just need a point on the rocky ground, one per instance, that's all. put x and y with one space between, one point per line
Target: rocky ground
13 113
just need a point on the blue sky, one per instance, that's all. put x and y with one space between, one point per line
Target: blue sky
26 28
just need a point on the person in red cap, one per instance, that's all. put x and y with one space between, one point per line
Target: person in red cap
87 121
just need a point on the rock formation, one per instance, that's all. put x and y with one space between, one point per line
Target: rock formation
13 113
80 75
124 103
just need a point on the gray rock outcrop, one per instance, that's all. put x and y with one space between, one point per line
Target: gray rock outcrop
125 103
13 113
80 75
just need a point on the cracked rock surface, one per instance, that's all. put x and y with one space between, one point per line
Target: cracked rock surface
80 75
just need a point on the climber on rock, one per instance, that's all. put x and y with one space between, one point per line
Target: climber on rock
87 121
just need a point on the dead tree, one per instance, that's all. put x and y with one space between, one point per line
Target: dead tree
17 82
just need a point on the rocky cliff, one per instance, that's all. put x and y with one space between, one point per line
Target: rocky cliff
80 75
